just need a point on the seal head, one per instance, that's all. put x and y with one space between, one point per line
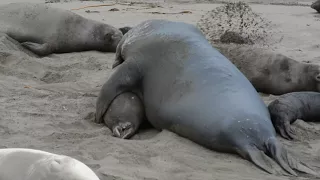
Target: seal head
106 38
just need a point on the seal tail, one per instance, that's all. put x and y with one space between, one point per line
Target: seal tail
275 150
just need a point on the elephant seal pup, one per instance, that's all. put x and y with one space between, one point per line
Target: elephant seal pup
191 89
292 106
124 115
272 73
31 164
44 30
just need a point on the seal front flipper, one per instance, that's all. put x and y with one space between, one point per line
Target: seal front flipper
39 49
125 78
284 129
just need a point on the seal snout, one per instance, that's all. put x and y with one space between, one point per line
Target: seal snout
115 39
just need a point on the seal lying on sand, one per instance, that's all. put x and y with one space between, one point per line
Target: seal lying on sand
292 106
124 115
191 89
30 164
45 30
316 6
272 73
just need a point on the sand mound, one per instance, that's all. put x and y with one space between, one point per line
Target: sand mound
234 22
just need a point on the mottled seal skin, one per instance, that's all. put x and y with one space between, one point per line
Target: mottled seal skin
316 6
45 30
272 73
31 164
292 106
124 115
191 89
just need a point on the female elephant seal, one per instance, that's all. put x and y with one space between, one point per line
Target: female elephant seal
31 164
45 30
124 115
191 89
272 73
292 106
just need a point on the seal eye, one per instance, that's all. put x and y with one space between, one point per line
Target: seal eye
108 37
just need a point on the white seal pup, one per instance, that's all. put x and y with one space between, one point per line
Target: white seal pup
31 164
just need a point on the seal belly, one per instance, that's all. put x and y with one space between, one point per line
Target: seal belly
213 119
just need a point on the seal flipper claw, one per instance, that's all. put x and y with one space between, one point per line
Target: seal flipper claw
119 132
283 134
285 130
39 49
128 133
290 132
116 131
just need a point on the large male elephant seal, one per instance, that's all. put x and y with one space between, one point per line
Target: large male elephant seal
191 89
272 73
44 30
31 164
286 109
124 115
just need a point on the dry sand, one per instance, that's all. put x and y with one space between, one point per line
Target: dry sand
49 103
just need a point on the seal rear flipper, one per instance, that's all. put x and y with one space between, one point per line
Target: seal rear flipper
286 161
259 158
39 49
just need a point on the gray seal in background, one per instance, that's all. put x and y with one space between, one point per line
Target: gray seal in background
45 30
287 108
191 89
272 73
